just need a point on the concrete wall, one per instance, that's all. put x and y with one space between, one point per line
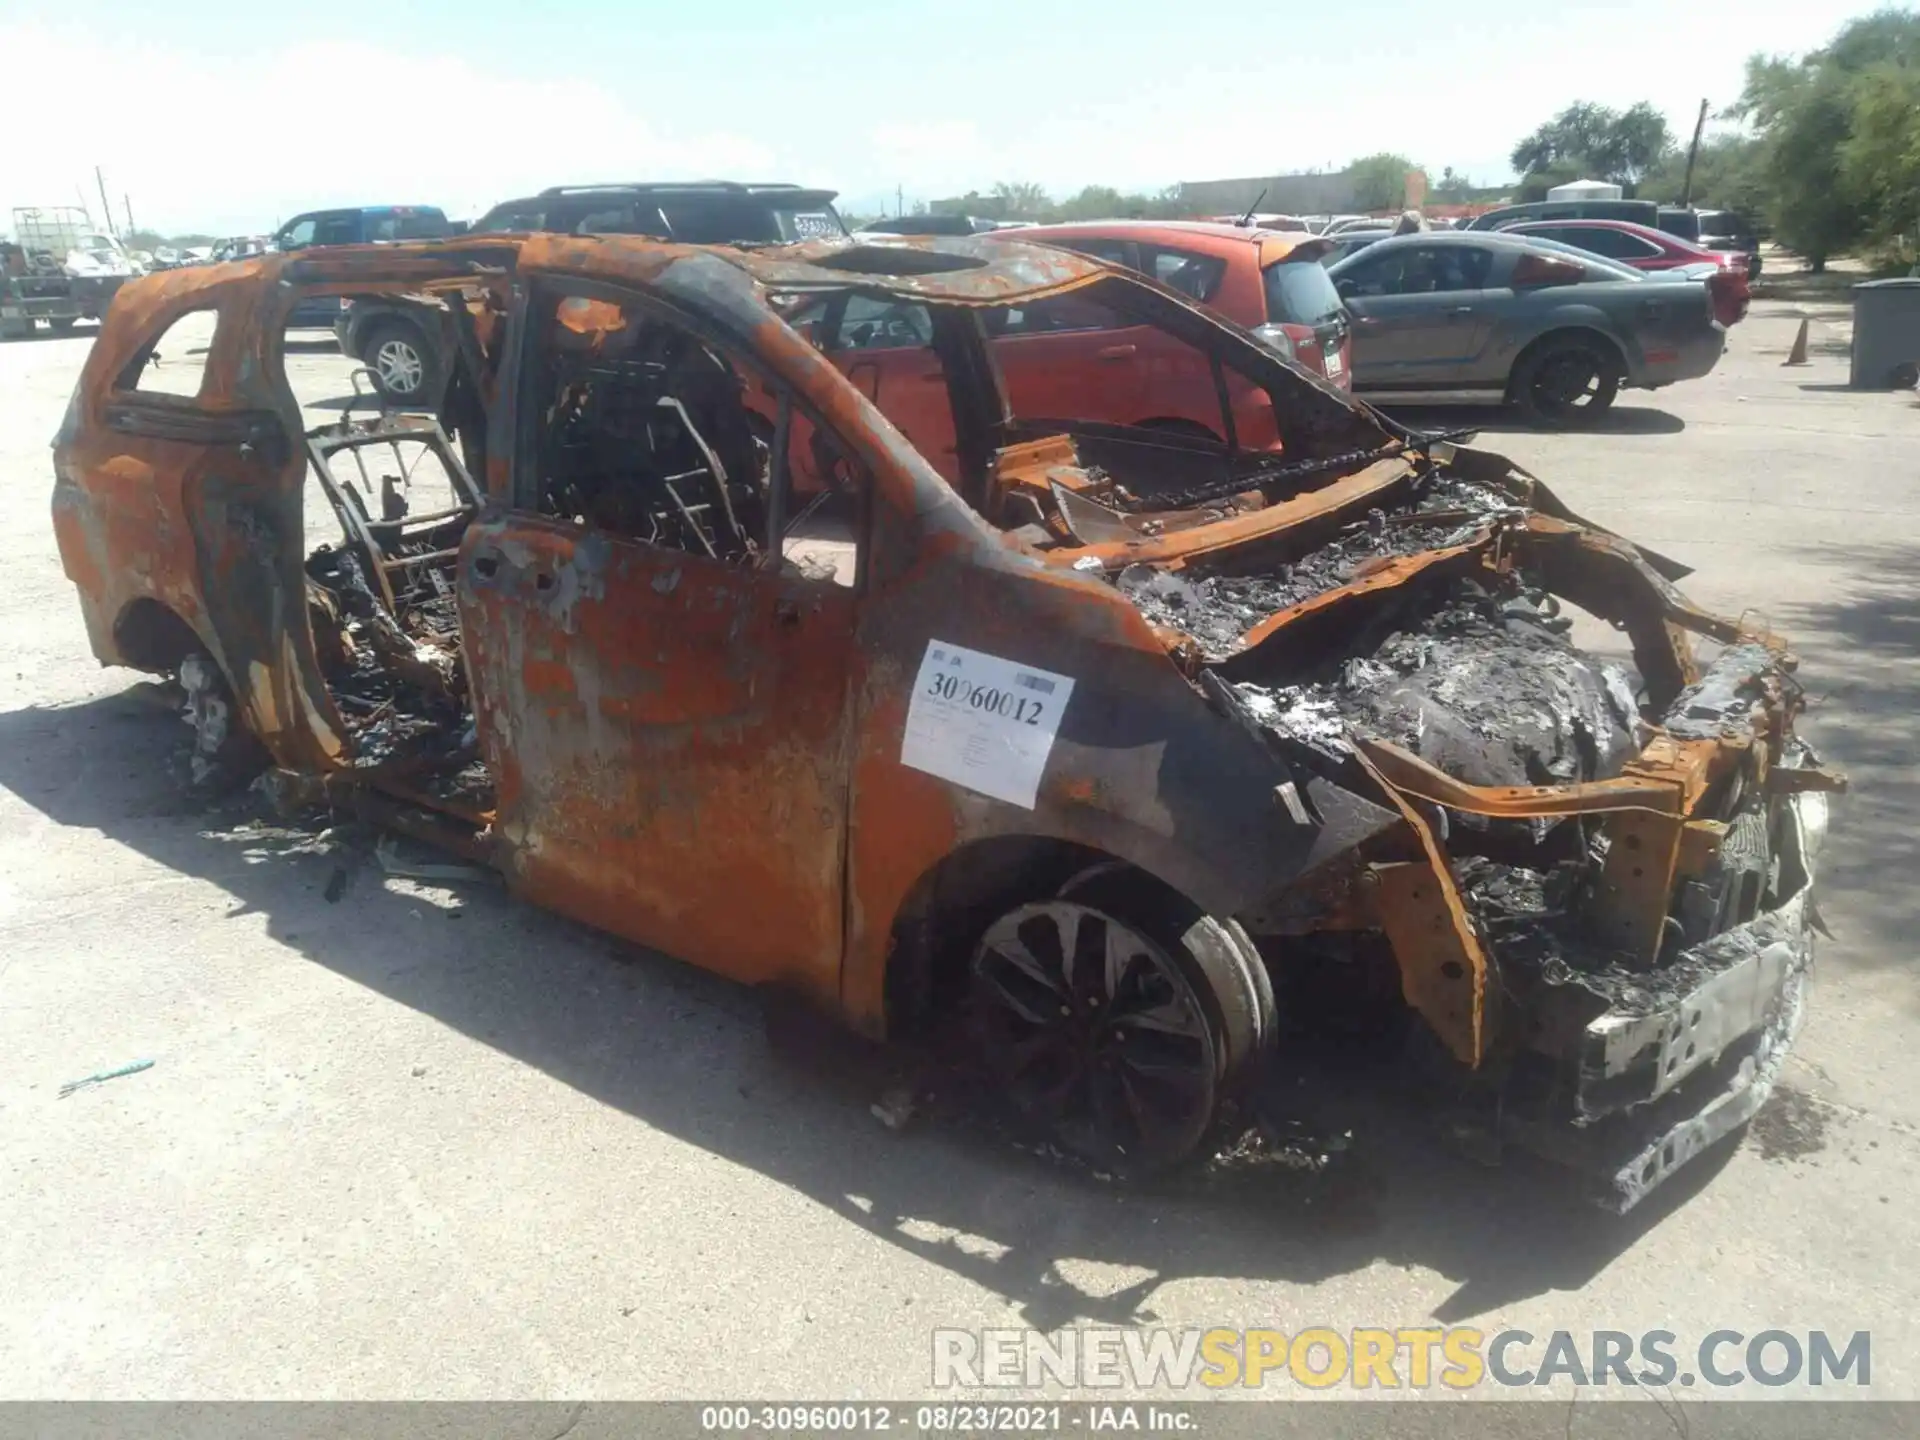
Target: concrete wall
1286 194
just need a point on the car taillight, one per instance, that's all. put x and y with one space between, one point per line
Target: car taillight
1275 339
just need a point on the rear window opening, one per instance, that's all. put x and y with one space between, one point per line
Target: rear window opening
175 363
1300 292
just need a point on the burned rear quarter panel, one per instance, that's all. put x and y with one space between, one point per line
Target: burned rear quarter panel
195 504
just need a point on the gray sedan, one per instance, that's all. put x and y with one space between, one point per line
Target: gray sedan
1480 318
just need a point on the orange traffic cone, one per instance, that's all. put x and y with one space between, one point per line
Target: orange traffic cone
1798 355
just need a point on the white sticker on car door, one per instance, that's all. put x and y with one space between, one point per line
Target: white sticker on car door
984 722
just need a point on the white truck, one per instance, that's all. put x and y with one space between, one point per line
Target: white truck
60 269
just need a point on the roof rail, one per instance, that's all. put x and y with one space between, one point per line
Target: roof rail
732 186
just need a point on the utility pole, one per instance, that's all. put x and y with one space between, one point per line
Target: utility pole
106 205
127 200
899 200
1693 154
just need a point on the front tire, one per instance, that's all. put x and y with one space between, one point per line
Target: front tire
1119 1021
1566 384
405 368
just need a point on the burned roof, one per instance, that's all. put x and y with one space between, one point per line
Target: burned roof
942 269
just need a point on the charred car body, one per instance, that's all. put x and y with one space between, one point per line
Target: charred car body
1095 746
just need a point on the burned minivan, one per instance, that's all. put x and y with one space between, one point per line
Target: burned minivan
1083 738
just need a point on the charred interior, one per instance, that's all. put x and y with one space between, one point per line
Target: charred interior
381 602
646 432
1589 877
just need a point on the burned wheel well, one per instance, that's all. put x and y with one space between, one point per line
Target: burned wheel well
151 637
950 906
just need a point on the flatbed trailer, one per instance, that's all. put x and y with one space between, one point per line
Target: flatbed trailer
31 291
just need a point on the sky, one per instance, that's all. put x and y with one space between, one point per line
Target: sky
227 119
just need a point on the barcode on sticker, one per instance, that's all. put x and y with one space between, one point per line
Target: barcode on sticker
1037 683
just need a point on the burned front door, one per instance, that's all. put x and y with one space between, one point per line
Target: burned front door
660 683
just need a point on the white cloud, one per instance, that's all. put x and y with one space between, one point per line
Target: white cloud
233 144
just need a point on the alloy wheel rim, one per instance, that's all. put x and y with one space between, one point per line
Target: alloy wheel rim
1093 1031
399 365
1568 381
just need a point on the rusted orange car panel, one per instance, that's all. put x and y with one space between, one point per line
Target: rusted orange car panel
646 713
1278 680
167 508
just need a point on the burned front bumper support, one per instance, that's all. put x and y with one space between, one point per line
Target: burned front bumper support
1660 1083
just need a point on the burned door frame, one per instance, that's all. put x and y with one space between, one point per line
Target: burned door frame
629 754
217 545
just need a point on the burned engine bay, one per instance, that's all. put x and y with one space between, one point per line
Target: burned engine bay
1613 834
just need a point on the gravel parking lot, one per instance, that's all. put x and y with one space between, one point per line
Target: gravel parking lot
411 1139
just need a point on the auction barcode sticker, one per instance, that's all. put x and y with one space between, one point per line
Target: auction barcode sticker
984 722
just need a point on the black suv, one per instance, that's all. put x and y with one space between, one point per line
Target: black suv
353 225
1636 212
405 355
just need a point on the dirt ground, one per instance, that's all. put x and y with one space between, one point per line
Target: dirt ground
407 1139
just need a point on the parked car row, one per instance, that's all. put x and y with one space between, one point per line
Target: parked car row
1714 230
1490 318
403 349
1638 247
1426 318
1544 306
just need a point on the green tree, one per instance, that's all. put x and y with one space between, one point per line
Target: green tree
1096 202
1594 142
1880 158
1728 175
1166 204
1380 181
1839 132
1636 141
1023 199
1574 136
